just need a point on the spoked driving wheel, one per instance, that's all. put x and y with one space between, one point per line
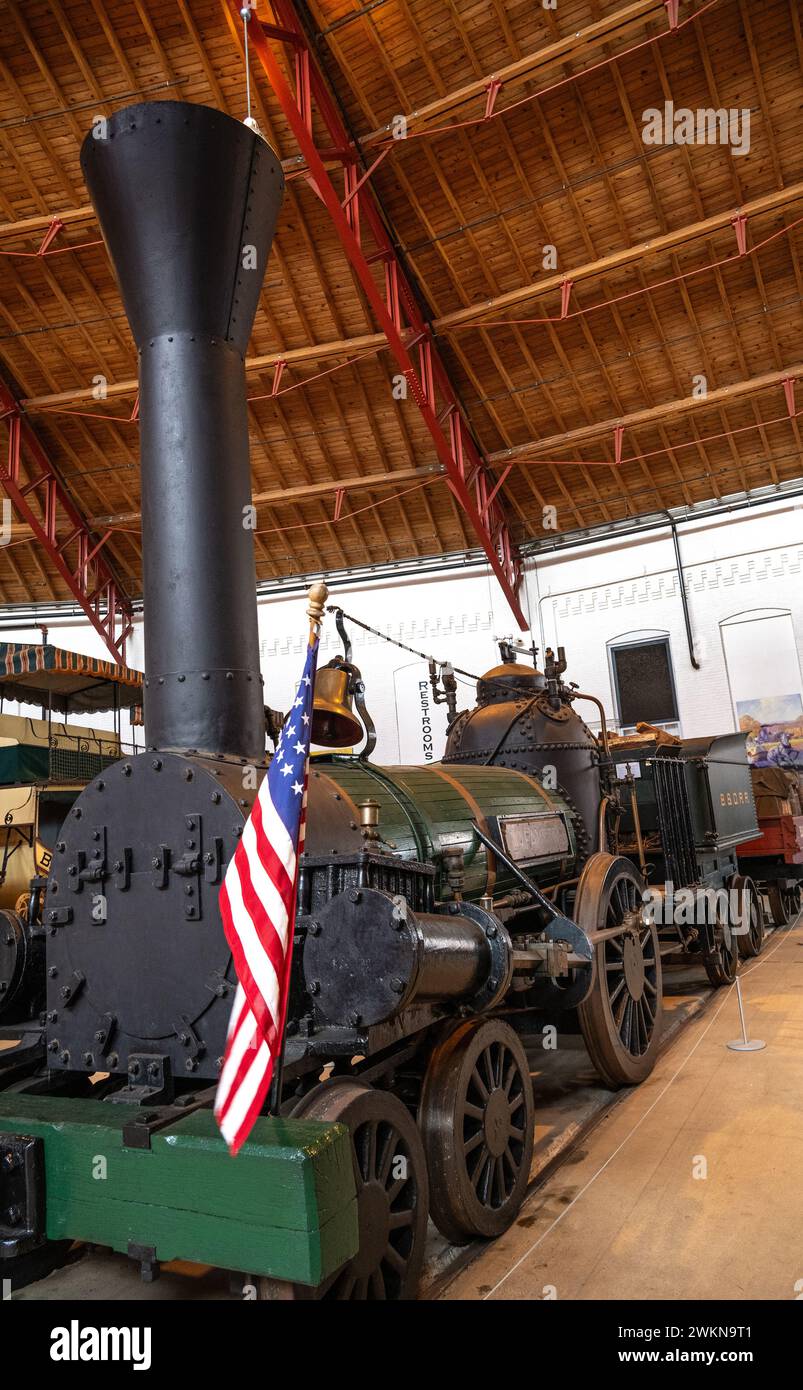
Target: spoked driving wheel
476 1120
392 1193
621 1018
751 941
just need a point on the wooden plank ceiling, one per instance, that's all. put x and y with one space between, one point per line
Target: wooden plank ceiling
471 210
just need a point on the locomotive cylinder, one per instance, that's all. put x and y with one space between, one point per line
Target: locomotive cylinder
161 205
454 958
369 956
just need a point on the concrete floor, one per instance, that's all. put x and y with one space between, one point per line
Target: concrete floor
569 1099
692 1186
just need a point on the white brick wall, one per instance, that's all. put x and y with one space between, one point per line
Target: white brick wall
582 599
588 599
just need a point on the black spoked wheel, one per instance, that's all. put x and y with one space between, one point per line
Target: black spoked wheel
784 903
751 941
392 1194
621 1018
779 905
476 1120
721 951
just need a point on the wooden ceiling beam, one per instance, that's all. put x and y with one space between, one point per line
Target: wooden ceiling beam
572 46
368 342
40 222
723 395
311 352
489 347
302 492
707 226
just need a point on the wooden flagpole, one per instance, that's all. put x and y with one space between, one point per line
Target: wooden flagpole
317 595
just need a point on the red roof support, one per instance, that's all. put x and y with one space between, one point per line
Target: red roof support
400 317
43 502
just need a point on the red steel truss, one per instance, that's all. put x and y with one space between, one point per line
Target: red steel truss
397 313
38 496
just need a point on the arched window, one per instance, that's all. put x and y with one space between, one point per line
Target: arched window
642 679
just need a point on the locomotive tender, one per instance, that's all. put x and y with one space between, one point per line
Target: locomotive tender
438 906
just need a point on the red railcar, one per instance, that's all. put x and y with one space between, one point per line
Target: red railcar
775 858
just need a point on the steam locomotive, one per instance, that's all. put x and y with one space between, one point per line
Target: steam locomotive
441 909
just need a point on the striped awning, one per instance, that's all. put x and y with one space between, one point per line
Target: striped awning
66 682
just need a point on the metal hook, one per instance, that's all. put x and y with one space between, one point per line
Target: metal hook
344 637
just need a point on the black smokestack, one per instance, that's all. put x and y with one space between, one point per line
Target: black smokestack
187 200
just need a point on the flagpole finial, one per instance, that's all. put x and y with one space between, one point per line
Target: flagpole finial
316 598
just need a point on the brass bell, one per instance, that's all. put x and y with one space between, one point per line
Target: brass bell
334 725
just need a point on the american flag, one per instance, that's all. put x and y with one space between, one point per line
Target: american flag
258 907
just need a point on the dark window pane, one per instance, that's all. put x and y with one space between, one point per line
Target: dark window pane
644 684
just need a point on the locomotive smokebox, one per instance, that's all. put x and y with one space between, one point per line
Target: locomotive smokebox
187 200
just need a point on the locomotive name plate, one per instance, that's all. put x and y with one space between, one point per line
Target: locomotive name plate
528 839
